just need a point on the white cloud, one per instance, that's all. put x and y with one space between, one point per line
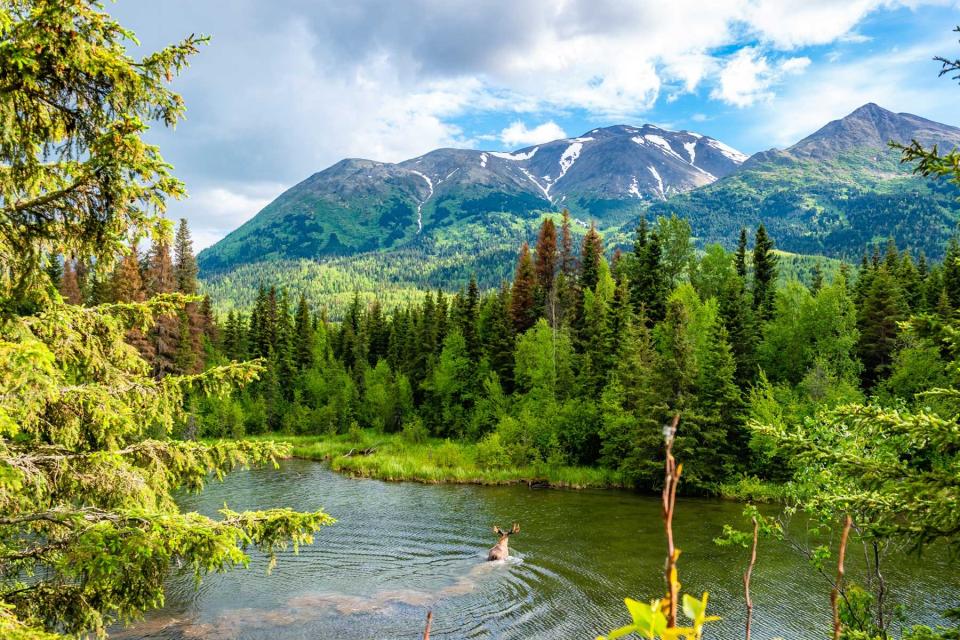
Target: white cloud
517 134
217 210
903 80
748 77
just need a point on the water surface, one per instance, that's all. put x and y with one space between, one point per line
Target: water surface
400 549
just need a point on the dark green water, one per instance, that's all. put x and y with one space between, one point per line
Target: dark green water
401 549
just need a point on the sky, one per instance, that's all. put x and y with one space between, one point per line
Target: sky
285 88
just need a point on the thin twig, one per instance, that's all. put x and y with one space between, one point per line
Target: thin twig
835 593
426 632
749 574
671 478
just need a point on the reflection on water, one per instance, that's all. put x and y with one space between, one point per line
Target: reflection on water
400 549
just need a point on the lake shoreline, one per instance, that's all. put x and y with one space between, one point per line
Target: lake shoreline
388 457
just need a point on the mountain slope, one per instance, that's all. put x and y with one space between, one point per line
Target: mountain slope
358 206
833 192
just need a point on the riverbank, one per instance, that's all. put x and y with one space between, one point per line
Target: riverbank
368 454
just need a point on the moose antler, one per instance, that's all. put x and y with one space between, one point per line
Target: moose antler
500 532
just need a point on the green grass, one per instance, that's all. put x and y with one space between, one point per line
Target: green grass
752 489
368 454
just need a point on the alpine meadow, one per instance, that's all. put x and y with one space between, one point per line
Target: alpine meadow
501 381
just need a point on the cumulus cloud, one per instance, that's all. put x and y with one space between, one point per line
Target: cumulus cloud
748 77
518 135
286 89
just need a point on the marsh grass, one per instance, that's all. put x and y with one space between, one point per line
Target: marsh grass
368 454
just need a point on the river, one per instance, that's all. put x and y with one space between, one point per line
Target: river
400 549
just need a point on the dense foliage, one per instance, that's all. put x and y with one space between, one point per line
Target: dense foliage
579 359
88 524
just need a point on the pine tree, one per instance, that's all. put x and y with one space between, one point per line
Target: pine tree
185 264
127 286
285 347
720 439
764 274
208 321
740 257
816 279
568 261
54 270
648 286
546 263
951 272
677 368
69 287
523 310
303 327
882 309
735 312
165 333
184 357
591 252
497 336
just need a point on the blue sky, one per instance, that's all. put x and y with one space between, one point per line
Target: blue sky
287 88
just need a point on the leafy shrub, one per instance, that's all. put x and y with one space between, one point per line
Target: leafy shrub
491 453
414 432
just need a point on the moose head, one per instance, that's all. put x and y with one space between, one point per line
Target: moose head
501 551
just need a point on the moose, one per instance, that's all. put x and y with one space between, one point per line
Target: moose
500 551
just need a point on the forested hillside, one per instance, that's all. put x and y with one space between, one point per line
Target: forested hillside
587 351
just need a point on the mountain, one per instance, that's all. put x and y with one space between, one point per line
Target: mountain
834 192
358 206
435 220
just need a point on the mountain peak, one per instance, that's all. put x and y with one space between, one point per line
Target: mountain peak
872 126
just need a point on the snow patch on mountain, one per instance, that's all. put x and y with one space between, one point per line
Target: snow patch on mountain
656 176
546 191
483 160
515 156
663 144
422 202
691 148
727 150
569 156
634 189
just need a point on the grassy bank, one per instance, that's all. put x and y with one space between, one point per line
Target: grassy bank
389 457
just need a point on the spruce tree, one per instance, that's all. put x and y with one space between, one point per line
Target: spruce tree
764 274
185 264
591 252
165 334
127 286
816 279
546 257
496 333
69 287
740 257
720 439
468 320
882 309
648 286
523 307
303 350
951 272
